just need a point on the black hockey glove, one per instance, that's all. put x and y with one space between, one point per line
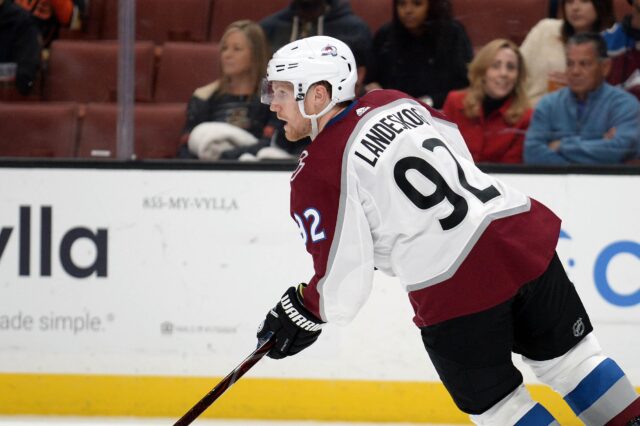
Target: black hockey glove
293 326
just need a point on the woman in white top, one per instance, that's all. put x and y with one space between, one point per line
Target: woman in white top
543 48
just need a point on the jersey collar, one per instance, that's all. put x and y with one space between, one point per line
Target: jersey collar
342 114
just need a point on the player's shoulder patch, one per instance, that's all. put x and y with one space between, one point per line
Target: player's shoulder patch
360 111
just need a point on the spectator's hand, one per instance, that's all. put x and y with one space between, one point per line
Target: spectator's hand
554 145
611 133
372 86
558 77
294 327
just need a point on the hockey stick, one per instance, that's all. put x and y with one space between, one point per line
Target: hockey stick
226 383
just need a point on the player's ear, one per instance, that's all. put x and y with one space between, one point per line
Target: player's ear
321 96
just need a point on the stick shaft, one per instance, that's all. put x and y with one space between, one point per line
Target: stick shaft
225 384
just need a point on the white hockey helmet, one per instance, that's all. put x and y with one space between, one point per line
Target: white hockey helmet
311 60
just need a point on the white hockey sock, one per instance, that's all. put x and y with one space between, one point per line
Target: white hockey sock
517 408
594 386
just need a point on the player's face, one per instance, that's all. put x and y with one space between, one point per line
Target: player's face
235 54
585 71
581 14
412 13
501 76
286 108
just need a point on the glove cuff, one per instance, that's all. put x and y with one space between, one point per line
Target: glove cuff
296 312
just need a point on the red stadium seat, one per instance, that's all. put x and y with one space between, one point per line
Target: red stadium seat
162 20
198 61
373 12
38 129
86 71
9 92
487 20
91 25
98 131
227 11
157 130
94 19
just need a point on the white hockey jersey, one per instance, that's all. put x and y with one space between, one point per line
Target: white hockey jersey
390 184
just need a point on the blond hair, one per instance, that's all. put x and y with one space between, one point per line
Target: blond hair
477 71
260 51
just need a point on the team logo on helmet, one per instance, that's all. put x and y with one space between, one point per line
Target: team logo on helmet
329 50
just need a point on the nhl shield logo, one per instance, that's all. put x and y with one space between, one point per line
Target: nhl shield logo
578 328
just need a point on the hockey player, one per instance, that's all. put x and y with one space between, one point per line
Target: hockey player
389 183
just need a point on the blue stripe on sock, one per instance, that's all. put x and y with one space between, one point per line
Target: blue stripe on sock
592 387
537 416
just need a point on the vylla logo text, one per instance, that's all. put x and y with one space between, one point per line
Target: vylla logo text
99 239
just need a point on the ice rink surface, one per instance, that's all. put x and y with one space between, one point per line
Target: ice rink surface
102 421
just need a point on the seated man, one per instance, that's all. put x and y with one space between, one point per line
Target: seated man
304 18
589 121
623 40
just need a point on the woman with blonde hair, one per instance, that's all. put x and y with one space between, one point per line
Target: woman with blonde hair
493 113
233 99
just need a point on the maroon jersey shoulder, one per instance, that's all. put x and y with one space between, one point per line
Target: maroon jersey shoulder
386 96
315 198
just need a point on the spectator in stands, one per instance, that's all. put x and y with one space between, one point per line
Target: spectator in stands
19 44
423 51
493 113
50 15
226 119
233 99
543 48
589 121
304 18
623 46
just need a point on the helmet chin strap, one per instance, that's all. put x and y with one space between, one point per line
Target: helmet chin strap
314 117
